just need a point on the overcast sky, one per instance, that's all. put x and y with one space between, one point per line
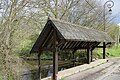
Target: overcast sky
115 10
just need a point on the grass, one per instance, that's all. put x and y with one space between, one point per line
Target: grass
112 52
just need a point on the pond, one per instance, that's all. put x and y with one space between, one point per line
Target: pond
46 69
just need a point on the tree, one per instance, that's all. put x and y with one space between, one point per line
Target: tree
10 21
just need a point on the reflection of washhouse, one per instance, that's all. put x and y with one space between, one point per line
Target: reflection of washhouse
61 68
33 74
46 72
50 71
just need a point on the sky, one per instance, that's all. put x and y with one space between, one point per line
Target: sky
115 10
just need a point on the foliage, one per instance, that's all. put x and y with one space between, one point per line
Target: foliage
65 55
47 55
26 45
21 21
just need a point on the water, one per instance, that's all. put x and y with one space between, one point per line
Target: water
45 72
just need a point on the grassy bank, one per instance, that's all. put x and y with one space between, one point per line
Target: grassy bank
112 52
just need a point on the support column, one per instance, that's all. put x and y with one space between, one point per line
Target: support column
104 46
73 57
88 52
88 55
55 57
91 54
39 66
55 65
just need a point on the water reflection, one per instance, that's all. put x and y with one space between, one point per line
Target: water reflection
45 72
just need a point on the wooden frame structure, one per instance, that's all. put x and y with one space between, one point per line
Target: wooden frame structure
59 35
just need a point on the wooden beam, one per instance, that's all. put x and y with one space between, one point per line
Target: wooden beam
63 47
75 44
81 48
72 45
95 46
99 47
79 43
61 42
46 49
78 48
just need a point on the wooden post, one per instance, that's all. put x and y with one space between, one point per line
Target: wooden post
104 46
91 54
88 55
55 57
39 66
55 65
73 57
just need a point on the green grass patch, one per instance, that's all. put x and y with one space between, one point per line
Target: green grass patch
111 52
114 52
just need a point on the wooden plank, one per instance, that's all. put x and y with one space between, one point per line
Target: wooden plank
79 43
75 44
67 46
72 44
84 44
64 45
